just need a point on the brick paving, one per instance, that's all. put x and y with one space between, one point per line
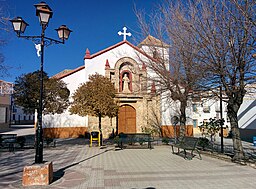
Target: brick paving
78 166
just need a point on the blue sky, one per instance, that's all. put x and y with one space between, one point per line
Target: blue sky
95 24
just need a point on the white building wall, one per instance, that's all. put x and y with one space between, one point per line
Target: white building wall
74 80
170 108
19 116
97 64
247 113
65 119
213 105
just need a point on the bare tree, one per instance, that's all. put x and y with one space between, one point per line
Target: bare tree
213 39
4 29
224 33
154 126
173 68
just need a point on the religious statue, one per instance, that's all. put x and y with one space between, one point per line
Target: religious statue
38 49
126 81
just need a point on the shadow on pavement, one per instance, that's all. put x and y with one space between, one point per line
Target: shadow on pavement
61 172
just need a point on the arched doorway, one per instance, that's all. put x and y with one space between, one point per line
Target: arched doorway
126 119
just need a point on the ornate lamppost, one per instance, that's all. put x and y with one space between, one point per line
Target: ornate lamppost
44 12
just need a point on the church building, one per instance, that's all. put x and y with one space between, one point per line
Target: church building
140 106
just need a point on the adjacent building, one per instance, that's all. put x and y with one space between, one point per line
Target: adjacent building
6 89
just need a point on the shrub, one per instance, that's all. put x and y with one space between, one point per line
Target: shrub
116 139
165 140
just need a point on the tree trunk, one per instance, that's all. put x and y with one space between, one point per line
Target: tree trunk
101 138
161 132
237 143
116 124
183 105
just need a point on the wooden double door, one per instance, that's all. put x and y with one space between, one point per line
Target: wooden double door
126 119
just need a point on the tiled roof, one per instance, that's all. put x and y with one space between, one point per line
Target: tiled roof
152 41
67 72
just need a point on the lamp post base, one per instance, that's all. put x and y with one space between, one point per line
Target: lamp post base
37 174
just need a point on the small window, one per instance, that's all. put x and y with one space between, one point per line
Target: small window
194 106
206 109
195 123
155 54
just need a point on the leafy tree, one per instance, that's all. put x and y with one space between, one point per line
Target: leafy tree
27 93
56 97
212 127
95 98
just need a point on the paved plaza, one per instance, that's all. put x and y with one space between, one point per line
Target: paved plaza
76 165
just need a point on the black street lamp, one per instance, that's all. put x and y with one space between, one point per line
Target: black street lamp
44 12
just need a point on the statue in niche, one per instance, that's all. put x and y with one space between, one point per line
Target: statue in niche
126 82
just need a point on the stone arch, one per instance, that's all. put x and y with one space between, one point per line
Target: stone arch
126 60
127 119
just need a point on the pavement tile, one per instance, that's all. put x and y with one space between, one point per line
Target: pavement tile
78 166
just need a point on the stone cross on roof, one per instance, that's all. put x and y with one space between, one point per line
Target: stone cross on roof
124 33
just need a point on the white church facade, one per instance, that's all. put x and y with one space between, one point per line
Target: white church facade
140 108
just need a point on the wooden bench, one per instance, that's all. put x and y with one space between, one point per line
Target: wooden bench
8 141
187 143
132 138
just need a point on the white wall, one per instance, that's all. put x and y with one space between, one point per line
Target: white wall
65 119
74 80
247 113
